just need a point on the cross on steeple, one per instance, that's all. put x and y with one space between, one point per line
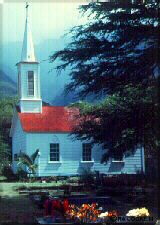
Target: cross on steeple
27 5
28 48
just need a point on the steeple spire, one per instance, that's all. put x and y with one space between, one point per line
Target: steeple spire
28 48
29 91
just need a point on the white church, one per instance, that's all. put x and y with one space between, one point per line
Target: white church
47 129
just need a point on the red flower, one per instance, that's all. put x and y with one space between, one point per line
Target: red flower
66 205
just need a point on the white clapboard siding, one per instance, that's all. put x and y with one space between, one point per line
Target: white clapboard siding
71 154
18 142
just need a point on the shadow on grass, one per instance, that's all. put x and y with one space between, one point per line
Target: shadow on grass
9 180
18 209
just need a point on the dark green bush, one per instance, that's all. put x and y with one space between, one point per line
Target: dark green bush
21 188
21 174
8 172
87 176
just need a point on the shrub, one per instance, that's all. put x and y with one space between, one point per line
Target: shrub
8 172
21 188
62 178
21 174
87 176
50 179
3 164
73 179
127 180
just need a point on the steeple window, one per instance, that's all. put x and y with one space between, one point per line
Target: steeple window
30 83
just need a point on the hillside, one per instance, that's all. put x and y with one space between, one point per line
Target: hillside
51 84
7 86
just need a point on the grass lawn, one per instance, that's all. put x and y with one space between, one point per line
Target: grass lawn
14 207
18 208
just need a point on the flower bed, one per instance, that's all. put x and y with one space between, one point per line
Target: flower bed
84 214
93 214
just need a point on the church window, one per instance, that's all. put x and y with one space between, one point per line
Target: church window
30 83
54 152
86 152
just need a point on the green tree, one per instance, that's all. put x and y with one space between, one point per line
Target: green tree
114 57
6 113
5 153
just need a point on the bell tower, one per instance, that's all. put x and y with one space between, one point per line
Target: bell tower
29 75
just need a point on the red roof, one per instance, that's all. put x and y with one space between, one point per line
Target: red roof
52 119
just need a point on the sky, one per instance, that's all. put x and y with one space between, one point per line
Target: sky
47 19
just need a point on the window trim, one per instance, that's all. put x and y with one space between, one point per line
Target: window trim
117 161
92 161
89 161
54 161
28 83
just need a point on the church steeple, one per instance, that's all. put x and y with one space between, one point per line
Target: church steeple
27 48
29 75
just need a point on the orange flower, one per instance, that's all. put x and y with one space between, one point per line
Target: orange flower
94 205
112 213
86 206
91 217
95 212
109 213
85 213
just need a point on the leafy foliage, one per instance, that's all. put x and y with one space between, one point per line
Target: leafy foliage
120 123
7 85
6 112
8 173
87 176
21 174
114 56
28 161
107 53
